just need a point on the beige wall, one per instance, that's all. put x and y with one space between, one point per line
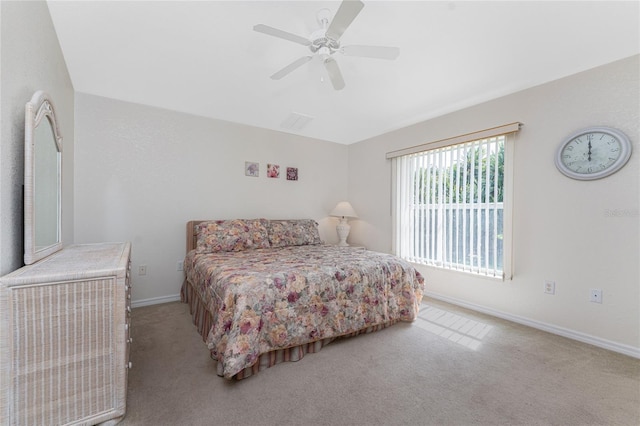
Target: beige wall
582 235
141 173
30 60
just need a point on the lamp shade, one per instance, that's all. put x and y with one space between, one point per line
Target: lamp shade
343 209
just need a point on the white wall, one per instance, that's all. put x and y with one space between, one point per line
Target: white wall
141 173
582 235
30 60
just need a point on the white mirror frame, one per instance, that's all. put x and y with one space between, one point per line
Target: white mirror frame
39 107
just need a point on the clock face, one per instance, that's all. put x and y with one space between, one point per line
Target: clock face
593 153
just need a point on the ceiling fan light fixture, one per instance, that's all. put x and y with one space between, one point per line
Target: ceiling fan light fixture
324 52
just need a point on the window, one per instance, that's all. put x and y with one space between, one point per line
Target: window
452 204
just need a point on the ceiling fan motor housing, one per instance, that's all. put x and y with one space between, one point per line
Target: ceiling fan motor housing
322 44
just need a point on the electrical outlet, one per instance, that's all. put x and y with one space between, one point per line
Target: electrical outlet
595 295
180 266
550 287
142 270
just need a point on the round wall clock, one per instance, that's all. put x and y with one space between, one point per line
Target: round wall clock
593 153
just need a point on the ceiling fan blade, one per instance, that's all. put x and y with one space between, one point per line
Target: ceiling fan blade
265 29
292 66
346 13
378 52
334 73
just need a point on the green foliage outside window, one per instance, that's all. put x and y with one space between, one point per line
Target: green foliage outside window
469 179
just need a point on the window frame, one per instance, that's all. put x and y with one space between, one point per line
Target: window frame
509 131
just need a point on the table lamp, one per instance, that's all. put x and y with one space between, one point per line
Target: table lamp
343 210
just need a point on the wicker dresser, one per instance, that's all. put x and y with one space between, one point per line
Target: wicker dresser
64 338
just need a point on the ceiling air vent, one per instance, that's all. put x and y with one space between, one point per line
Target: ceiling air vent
296 121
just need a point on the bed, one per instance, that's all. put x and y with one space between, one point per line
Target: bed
266 291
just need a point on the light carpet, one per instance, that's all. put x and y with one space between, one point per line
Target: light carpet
451 366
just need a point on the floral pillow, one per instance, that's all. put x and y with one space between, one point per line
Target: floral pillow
293 232
232 235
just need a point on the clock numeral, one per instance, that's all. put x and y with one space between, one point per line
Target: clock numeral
590 137
570 148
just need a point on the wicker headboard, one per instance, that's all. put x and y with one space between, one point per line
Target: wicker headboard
191 234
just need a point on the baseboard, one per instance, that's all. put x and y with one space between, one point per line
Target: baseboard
571 334
155 300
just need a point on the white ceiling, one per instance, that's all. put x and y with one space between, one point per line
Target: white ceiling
203 57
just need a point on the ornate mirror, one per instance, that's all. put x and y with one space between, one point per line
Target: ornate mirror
42 180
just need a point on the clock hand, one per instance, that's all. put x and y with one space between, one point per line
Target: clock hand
589 151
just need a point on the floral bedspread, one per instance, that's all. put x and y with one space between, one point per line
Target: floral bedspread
274 298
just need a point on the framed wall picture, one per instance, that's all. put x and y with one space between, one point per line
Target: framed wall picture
251 169
292 173
273 171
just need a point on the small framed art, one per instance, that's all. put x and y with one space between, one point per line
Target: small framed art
292 173
251 169
273 171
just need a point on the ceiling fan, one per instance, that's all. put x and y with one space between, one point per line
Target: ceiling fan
325 42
